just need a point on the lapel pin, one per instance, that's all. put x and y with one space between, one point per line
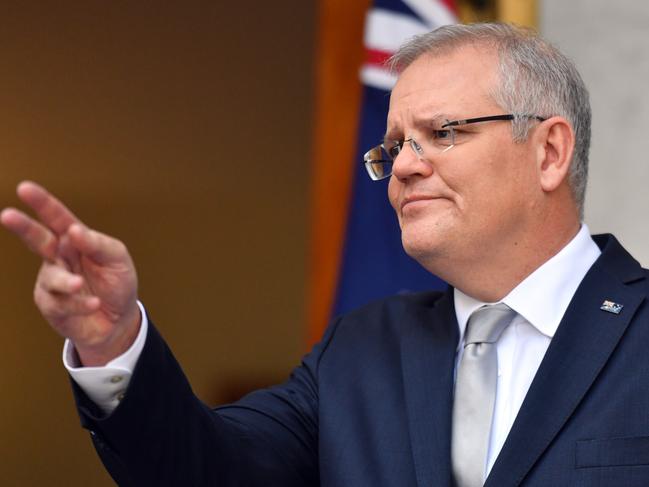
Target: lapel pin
611 307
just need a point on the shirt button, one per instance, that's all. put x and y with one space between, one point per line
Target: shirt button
115 379
120 396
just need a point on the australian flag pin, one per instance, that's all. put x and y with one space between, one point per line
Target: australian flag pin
611 307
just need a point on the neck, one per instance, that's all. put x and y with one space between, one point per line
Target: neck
489 275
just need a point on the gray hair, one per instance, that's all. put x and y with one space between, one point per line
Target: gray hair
535 79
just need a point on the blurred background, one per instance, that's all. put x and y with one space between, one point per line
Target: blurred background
217 141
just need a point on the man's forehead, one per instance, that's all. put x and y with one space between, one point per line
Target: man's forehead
445 85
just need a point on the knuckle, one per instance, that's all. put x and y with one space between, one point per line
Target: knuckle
42 302
46 282
40 286
120 247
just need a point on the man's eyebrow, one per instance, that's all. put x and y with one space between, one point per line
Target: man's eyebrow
420 122
434 118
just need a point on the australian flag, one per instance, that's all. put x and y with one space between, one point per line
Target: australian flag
374 264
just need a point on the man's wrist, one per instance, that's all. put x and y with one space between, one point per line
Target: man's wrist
107 385
99 356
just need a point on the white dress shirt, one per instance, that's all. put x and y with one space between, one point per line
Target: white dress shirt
540 302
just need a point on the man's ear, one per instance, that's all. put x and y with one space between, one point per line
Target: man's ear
555 142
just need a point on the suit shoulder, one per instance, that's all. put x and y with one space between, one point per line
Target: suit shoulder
393 314
401 302
375 332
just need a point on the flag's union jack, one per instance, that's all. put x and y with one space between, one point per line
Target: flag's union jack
389 23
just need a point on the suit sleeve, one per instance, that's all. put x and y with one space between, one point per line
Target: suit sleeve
161 434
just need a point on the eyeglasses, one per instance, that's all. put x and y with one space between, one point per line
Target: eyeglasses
379 160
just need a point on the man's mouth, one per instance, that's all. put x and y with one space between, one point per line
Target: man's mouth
414 199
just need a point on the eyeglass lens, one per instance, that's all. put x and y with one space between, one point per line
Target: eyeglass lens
379 159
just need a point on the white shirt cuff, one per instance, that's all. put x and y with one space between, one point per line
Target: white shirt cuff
106 385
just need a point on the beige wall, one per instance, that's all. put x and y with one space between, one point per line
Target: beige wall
609 43
184 129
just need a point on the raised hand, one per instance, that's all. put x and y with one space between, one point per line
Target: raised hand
87 286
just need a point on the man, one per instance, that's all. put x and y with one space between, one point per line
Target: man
486 148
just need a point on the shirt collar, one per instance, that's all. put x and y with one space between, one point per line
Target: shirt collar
542 297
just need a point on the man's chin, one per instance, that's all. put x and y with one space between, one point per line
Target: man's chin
420 249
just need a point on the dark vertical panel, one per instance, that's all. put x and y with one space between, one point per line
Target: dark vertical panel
339 55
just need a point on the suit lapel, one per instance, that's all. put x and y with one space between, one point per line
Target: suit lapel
428 357
578 352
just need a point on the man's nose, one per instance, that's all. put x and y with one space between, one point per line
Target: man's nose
410 162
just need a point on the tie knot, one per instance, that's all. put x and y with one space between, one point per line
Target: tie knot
486 324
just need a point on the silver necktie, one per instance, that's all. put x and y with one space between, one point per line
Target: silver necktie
475 393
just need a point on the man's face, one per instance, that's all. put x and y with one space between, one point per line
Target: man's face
477 197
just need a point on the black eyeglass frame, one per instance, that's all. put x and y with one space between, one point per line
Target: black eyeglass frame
454 123
490 118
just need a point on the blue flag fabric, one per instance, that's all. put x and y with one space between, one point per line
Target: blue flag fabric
374 264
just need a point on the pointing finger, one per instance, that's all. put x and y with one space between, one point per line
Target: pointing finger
35 236
49 209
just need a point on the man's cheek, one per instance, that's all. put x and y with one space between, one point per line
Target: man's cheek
393 194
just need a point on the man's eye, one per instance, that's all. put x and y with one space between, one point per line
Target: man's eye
442 134
393 150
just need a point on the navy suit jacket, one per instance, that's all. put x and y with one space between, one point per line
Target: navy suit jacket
371 404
